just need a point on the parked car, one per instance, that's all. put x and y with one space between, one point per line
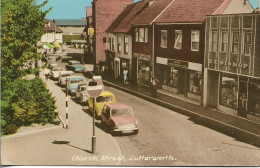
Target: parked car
82 94
105 97
73 83
75 66
55 72
63 77
119 118
52 62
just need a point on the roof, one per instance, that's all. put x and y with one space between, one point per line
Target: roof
189 11
72 22
50 26
117 105
124 21
147 15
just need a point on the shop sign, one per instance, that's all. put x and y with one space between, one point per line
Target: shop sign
142 56
228 63
177 63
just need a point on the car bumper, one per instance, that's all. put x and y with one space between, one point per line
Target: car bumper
126 131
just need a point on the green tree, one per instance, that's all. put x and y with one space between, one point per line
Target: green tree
21 29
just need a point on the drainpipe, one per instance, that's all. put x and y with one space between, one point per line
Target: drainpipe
153 54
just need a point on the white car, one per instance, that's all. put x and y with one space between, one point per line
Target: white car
63 77
55 72
82 94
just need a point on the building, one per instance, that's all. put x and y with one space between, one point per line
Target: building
71 27
232 64
119 42
143 40
52 33
104 13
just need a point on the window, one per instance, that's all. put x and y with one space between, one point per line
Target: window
136 35
118 43
254 97
178 39
235 41
109 43
112 44
195 82
224 41
141 34
146 35
164 38
228 91
214 41
195 38
126 44
173 77
247 43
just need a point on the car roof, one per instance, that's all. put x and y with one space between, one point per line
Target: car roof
117 105
75 77
83 84
73 61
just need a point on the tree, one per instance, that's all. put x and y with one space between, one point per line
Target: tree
21 25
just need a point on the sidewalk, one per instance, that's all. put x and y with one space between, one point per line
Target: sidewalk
234 126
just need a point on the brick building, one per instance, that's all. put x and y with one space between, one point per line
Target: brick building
104 12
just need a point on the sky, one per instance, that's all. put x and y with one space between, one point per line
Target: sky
67 9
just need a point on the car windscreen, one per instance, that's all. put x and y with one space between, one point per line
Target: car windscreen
122 112
105 99
76 80
83 88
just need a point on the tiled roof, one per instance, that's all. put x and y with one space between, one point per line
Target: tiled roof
124 21
151 12
50 27
68 22
189 11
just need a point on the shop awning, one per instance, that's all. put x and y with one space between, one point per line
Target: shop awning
56 44
47 46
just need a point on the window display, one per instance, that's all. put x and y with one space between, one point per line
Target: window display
195 82
254 97
228 91
173 77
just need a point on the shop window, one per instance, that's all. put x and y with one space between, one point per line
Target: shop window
214 41
173 77
126 45
228 91
141 34
254 97
195 39
235 41
247 43
136 35
144 71
178 39
195 82
164 38
119 44
224 41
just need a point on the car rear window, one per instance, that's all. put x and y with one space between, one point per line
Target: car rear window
105 99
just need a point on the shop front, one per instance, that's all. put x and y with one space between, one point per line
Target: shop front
122 64
109 69
236 94
180 77
143 67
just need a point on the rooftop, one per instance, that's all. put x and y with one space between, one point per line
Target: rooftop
72 22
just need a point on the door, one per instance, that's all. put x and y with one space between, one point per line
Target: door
242 97
116 69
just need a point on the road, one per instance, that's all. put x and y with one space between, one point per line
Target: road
165 138
166 133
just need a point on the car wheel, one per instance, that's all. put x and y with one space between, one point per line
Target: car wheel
136 132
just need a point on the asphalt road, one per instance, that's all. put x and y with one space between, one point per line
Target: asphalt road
178 141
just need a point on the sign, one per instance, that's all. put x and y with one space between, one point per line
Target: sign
95 87
177 63
228 63
91 31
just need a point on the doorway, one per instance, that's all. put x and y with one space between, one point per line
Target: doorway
242 97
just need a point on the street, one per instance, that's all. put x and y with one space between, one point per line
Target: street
165 138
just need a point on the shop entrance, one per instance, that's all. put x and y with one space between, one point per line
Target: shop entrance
242 97
116 69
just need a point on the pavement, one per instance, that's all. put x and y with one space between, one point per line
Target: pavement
62 146
240 128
